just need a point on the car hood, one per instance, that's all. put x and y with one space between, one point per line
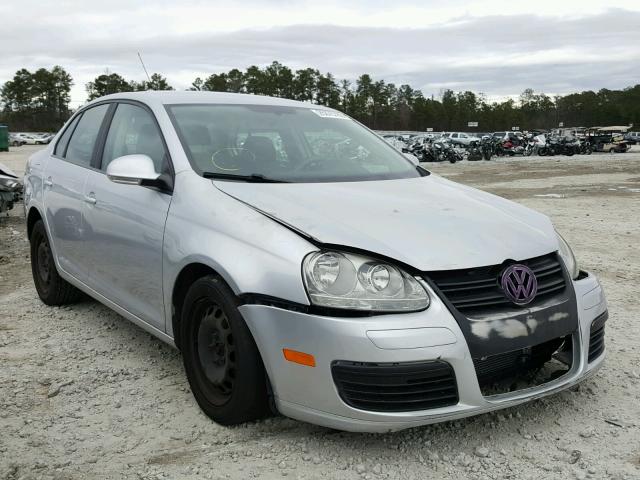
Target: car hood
428 222
4 170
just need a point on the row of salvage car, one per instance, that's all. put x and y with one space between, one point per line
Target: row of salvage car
456 146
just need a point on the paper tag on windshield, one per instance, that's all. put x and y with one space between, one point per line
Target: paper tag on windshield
329 114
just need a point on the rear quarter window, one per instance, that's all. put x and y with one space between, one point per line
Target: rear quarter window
61 146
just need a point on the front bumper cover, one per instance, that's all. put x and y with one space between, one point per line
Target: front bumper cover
309 394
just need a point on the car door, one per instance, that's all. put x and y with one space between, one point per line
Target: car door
127 221
65 176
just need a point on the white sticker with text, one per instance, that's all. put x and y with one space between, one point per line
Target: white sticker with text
329 114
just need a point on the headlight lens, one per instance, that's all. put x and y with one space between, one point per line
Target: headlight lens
568 257
9 184
356 282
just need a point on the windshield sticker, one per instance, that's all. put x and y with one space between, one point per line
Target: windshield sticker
329 114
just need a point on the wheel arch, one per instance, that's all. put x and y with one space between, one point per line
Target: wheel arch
185 278
32 217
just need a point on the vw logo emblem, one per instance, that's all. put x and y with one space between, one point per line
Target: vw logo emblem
519 284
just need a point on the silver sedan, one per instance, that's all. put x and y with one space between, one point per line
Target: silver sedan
302 265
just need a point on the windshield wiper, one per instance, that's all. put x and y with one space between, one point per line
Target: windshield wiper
254 177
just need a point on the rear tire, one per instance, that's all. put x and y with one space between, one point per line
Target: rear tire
51 287
221 360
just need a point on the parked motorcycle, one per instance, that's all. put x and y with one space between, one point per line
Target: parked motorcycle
440 151
506 147
487 148
546 150
534 144
562 146
474 152
584 147
557 146
10 188
416 149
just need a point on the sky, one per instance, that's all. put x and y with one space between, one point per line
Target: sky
493 47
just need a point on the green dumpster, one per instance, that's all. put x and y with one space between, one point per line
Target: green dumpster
4 138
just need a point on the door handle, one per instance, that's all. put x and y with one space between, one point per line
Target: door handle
48 182
90 199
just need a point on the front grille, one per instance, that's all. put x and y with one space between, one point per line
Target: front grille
395 387
478 291
596 337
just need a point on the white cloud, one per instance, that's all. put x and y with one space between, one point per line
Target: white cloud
488 45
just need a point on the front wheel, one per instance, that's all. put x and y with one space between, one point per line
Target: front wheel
222 362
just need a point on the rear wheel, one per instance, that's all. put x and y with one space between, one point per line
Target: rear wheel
51 287
223 365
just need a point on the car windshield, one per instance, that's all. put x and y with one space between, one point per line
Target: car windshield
288 144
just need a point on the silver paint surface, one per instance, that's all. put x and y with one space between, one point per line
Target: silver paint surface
429 223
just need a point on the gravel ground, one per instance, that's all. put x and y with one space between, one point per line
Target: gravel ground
86 394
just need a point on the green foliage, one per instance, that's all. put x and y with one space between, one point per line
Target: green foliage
108 83
385 106
157 82
37 101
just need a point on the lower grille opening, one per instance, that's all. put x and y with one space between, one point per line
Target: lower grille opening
395 387
529 367
596 337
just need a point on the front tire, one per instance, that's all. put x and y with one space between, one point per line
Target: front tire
221 360
51 287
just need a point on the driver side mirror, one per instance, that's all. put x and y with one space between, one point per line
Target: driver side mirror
412 158
133 169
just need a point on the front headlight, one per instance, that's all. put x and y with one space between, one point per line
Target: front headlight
9 184
356 282
568 257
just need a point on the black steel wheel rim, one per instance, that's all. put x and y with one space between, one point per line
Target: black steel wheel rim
216 351
43 255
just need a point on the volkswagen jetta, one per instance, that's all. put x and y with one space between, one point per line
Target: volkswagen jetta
302 265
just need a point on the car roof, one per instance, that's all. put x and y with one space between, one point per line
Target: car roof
159 98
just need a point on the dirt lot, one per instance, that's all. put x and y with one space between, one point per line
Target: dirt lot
86 394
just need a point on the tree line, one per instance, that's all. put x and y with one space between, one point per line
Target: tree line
39 101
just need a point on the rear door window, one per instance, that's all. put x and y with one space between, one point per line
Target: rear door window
83 139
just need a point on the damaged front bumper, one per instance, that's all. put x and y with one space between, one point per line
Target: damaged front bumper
310 394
